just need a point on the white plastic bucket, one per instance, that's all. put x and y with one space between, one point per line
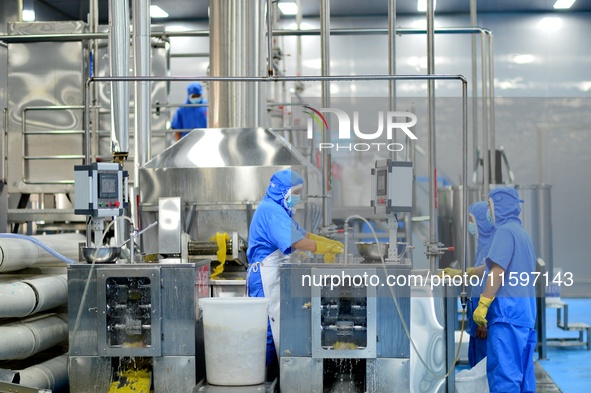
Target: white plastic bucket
235 331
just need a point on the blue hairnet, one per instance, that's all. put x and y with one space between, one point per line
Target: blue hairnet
194 88
506 203
281 182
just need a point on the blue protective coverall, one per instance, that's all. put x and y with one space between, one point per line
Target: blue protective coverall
512 314
191 117
484 235
272 228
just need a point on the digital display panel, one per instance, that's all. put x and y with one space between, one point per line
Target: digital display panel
381 182
107 185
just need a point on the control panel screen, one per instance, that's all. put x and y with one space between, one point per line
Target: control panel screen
381 182
107 185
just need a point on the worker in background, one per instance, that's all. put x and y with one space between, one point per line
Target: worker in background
190 117
273 236
481 228
507 305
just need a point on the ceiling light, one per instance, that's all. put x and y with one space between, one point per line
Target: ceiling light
288 8
524 59
422 5
550 23
157 12
563 4
28 15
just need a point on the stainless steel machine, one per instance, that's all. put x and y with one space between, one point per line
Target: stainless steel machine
137 318
144 316
343 336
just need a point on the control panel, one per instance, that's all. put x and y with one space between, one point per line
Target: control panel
100 189
391 190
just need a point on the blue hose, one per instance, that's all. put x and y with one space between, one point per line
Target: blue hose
38 243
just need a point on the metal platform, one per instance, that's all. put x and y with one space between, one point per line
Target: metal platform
564 324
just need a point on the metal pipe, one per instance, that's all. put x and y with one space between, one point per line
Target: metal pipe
433 262
392 62
325 71
119 66
270 38
298 39
473 21
143 103
338 78
491 107
485 140
19 340
205 33
236 49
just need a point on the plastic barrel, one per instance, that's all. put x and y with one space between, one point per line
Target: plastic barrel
235 331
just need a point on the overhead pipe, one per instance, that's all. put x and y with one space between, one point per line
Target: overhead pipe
325 71
119 66
24 297
22 339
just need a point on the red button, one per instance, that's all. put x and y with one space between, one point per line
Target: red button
108 204
117 204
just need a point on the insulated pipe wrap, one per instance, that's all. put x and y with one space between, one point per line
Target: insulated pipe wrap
20 340
17 299
52 374
17 254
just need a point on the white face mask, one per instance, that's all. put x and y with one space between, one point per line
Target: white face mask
197 100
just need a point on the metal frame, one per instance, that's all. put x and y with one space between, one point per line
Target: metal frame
318 352
155 348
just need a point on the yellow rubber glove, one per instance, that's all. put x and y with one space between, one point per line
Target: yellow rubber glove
326 240
324 248
329 258
481 311
448 271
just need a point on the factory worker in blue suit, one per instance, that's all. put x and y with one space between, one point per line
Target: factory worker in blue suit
482 229
273 236
189 117
507 305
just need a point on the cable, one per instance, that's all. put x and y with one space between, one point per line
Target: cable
404 325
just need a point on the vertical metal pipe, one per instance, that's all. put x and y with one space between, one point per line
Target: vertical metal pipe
473 23
119 66
433 257
299 39
392 61
141 62
270 38
236 43
491 106
325 71
485 140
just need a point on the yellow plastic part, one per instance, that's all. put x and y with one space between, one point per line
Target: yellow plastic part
220 239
